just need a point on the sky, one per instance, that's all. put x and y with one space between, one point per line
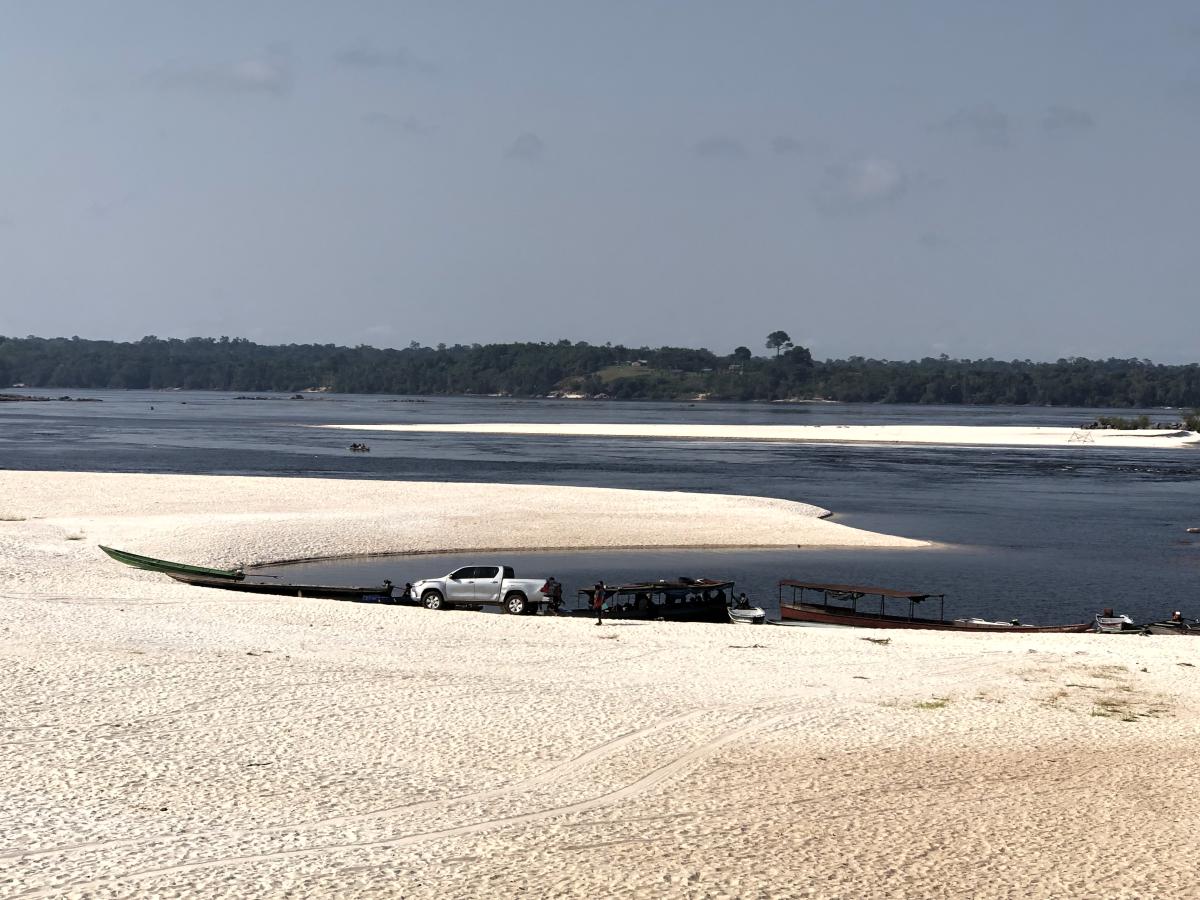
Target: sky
884 179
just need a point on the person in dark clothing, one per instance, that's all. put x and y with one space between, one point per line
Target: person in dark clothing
553 591
598 602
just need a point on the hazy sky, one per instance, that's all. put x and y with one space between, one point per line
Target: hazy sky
881 179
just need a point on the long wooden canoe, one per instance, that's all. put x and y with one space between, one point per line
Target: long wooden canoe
166 567
327 591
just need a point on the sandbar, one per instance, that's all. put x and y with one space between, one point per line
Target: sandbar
169 741
948 435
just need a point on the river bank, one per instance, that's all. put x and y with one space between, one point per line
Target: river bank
166 740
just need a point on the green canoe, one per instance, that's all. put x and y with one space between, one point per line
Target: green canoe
150 564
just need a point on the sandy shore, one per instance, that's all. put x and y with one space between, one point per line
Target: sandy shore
159 740
951 435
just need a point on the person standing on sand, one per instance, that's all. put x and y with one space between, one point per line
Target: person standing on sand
598 602
553 591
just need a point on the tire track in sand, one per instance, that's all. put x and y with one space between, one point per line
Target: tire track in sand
646 782
547 775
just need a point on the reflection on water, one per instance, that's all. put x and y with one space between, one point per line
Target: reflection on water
1043 534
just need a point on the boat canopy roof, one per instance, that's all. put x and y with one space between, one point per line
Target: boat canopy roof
662 585
860 589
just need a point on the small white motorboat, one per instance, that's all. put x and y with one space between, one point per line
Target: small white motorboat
1108 623
749 615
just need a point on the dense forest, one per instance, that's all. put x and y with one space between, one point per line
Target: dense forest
565 367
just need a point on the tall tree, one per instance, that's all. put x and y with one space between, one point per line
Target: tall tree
778 340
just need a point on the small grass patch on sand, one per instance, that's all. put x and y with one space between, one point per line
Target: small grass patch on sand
935 703
1109 693
1121 708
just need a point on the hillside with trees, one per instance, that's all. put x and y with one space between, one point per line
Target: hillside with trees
614 371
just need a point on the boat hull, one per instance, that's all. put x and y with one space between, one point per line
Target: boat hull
1173 628
324 591
669 614
751 616
166 567
820 615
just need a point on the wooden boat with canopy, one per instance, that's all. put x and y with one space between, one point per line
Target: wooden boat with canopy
863 606
677 600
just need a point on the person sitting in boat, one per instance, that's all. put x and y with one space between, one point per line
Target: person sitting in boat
742 602
1177 616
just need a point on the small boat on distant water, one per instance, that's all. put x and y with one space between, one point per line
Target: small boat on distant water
166 567
839 605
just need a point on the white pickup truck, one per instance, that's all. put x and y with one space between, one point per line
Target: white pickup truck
481 585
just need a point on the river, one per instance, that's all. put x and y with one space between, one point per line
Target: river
1045 534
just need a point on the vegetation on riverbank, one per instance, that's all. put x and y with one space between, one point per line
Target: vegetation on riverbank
540 369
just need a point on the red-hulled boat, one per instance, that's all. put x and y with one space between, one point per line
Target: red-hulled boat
839 605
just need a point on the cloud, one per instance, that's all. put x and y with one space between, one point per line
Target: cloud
1066 120
400 126
860 186
786 145
527 148
983 123
364 55
269 74
718 147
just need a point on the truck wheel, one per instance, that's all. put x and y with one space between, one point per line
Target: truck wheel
433 600
516 604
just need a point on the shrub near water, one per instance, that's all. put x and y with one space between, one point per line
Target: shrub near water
1191 422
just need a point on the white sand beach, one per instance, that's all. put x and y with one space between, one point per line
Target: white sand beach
159 740
950 435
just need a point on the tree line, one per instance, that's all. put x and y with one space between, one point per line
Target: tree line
615 371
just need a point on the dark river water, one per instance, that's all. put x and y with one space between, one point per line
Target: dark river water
1047 535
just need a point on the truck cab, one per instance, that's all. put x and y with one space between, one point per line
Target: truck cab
476 584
